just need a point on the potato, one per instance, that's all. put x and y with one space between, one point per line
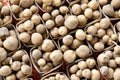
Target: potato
11 43
71 22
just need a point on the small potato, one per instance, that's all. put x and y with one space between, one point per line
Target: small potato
57 3
47 8
18 55
110 73
28 25
99 46
109 53
86 73
88 13
93 4
112 63
36 54
84 6
101 33
80 34
6 61
50 24
16 65
97 25
54 32
34 9
20 75
40 28
105 23
96 14
45 44
117 49
114 37
3 54
67 40
83 51
5 70
55 13
115 4
116 74
82 20
110 32
41 62
103 59
4 32
46 56
79 73
95 74
95 40
74 77
89 37
91 63
92 30
104 70
59 19
63 9
76 9
117 60
103 2
108 10
56 56
69 56
24 37
25 58
5 10
13 33
11 77
36 19
62 30
7 19
27 13
76 43
64 48
20 28
15 9
26 69
36 38
82 65
71 22
46 16
73 69
105 38
11 43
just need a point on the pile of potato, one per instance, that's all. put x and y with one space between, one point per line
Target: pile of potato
110 8
23 8
32 31
75 38
101 34
73 46
5 15
109 62
16 66
46 58
84 69
8 38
